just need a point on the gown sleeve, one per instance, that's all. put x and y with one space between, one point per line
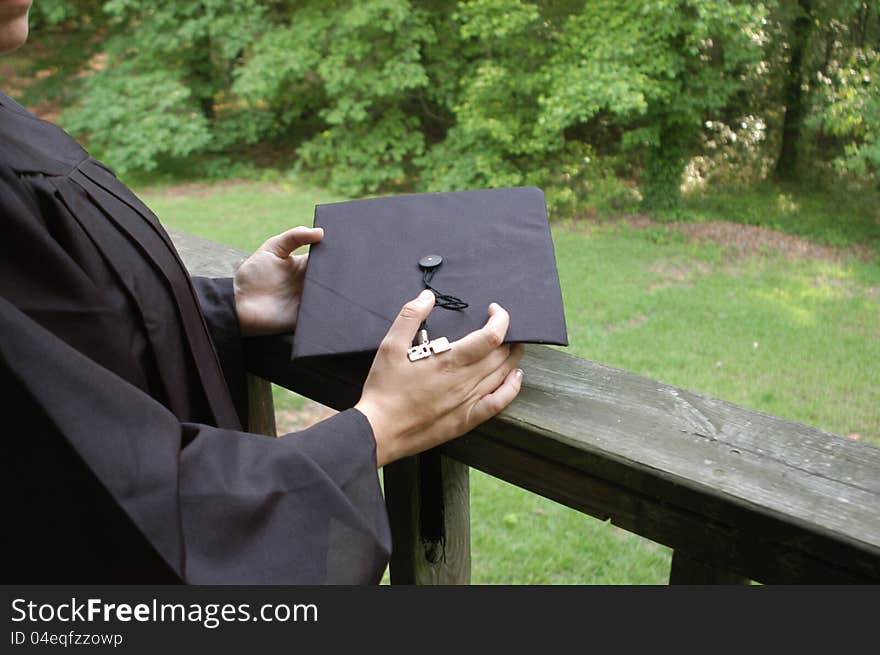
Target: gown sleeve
217 302
229 507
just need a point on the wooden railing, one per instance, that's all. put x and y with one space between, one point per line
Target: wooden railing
738 495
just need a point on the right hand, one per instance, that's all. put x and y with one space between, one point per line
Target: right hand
414 406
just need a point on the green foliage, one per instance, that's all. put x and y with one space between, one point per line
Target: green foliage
605 102
366 155
164 69
134 118
840 45
655 69
68 36
370 66
853 112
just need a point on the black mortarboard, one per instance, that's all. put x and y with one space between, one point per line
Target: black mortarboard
494 244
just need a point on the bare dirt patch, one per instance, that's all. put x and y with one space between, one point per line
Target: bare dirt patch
677 272
755 239
747 240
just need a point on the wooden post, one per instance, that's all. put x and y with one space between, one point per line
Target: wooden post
410 563
685 570
261 407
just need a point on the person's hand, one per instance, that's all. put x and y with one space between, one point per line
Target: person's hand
414 406
268 285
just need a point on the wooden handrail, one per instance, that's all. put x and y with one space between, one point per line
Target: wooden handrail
738 494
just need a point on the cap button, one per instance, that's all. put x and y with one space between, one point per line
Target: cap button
430 261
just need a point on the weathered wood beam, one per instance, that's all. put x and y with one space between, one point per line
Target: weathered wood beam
687 571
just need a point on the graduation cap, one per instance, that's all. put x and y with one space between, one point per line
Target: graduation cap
470 247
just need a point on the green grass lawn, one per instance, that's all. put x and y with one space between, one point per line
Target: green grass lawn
241 213
799 339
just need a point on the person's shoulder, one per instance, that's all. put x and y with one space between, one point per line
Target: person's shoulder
33 145
10 103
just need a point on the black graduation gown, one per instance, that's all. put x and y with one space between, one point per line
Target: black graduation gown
123 454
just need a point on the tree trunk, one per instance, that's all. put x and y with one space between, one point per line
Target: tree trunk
666 161
793 94
201 76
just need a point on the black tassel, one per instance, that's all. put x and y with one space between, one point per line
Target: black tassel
432 515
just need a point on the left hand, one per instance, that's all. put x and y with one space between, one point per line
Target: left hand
268 285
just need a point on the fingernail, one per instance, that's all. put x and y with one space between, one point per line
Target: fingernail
519 373
425 296
494 305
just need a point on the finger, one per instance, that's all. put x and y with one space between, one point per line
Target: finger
497 375
299 262
479 343
402 332
492 403
483 367
281 245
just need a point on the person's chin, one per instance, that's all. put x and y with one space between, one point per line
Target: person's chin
13 24
14 8
13 37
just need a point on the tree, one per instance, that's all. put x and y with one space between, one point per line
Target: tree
378 95
819 52
848 103
801 24
358 66
657 70
164 68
